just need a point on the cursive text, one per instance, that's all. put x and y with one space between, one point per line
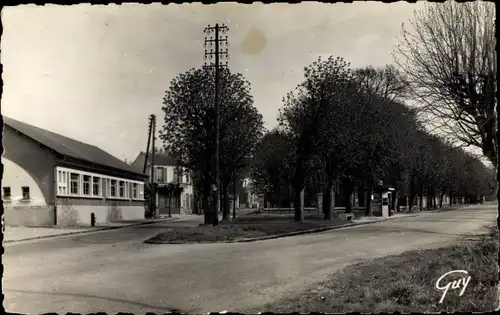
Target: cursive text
455 284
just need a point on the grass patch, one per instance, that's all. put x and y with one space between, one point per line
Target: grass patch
249 226
406 283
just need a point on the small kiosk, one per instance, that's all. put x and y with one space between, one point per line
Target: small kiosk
384 191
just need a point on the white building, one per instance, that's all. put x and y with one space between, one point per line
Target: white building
50 179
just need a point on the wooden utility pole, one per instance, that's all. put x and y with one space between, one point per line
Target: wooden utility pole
153 183
145 167
149 142
210 40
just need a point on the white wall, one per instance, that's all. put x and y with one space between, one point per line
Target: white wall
16 177
186 194
79 215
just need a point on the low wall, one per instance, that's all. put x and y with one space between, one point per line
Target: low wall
287 210
29 215
79 215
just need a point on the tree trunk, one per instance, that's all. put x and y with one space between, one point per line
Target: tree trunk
234 200
369 191
396 201
226 214
421 198
207 208
434 201
412 192
326 202
429 198
279 194
299 202
393 200
298 187
348 190
196 206
361 194
226 210
413 198
329 200
215 207
170 204
223 199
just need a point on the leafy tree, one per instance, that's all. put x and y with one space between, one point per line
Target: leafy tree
448 55
299 118
272 165
386 87
189 128
321 117
397 164
341 122
330 84
241 128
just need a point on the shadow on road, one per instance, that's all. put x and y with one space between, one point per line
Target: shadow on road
173 309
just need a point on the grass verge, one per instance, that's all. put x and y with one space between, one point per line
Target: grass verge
406 283
245 227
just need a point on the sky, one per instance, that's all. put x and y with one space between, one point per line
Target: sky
96 72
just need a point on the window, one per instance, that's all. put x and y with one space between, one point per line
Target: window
141 191
96 186
62 183
6 193
134 191
166 174
86 185
112 188
122 189
26 193
75 183
160 174
175 175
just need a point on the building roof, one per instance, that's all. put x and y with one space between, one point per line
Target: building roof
161 159
69 147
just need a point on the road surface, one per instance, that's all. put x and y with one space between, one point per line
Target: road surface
114 271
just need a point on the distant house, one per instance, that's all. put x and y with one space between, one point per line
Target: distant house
50 179
247 197
168 172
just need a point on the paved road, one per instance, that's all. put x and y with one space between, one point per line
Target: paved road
113 271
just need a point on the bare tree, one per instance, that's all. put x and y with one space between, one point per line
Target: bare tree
386 82
448 54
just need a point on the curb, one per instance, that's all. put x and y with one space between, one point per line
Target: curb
446 209
88 231
323 229
269 237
